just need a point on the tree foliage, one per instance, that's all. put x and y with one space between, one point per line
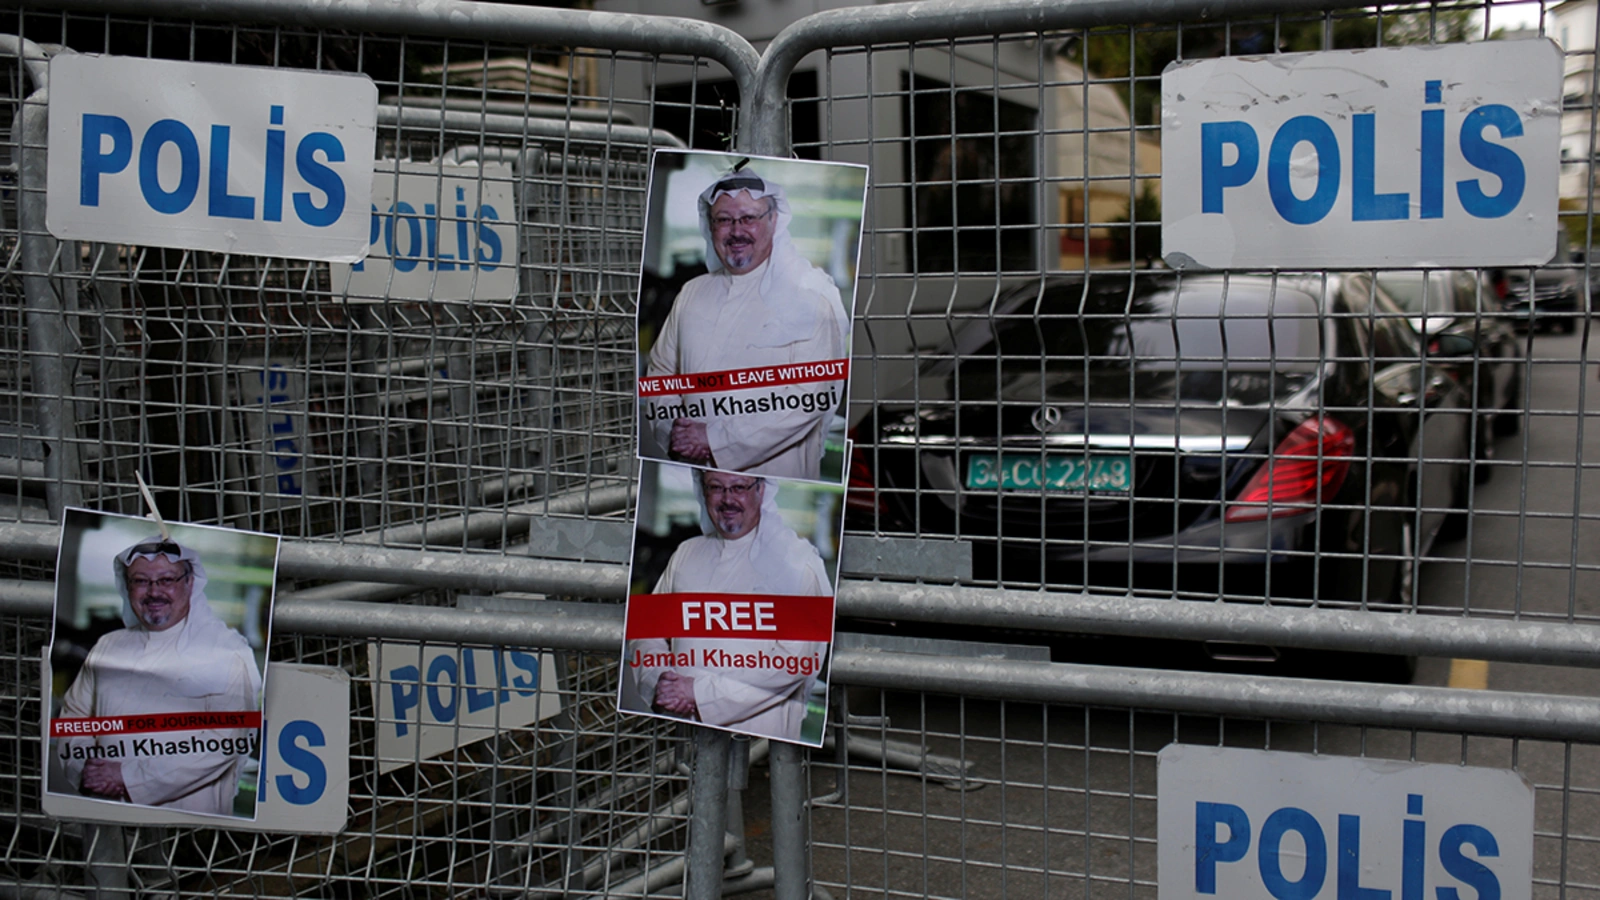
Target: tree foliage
1134 57
1137 236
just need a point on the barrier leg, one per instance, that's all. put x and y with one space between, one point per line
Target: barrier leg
709 821
791 852
106 852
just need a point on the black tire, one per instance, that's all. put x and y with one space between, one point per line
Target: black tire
1483 469
1508 421
1454 526
1401 595
1483 465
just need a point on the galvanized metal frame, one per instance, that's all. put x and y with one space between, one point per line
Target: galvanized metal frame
407 559
486 23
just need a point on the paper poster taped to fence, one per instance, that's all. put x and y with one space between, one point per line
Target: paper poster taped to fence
745 297
433 698
204 156
438 233
731 601
303 785
158 659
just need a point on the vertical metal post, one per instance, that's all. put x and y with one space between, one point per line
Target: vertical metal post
708 821
791 865
366 415
737 863
48 336
106 851
764 129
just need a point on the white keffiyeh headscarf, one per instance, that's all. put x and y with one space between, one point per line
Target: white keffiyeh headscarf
204 633
785 268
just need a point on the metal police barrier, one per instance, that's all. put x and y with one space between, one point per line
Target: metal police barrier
1011 145
491 429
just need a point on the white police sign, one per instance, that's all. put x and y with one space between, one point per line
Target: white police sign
1443 155
274 162
303 784
433 698
1237 824
438 233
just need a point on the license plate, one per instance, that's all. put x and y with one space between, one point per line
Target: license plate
1100 473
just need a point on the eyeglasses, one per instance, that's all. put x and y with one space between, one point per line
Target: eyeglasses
723 223
737 491
166 583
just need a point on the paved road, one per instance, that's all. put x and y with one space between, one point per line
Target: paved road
1534 544
1061 801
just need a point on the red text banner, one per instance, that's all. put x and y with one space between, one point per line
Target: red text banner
740 379
738 616
146 724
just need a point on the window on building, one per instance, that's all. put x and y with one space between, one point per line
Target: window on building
972 166
705 114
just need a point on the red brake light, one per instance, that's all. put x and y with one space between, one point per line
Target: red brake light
861 492
1434 349
1294 478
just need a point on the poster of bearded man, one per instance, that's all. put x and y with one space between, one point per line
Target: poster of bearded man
746 292
157 661
731 600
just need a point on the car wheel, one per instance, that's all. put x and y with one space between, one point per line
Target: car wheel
1454 526
1483 466
1509 420
1402 587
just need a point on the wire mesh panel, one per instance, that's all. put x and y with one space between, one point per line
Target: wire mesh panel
265 393
1031 379
985 798
573 803
256 391
1030 384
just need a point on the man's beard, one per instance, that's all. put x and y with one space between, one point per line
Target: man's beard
730 521
738 255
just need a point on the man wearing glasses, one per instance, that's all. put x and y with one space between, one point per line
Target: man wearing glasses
761 304
175 656
748 549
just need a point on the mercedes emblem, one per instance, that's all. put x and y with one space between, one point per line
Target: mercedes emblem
1046 418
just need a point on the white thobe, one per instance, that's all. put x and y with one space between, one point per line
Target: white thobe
135 672
722 321
770 702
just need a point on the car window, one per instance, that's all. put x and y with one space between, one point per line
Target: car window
1210 324
1244 339
1421 293
1385 325
1392 336
1205 324
1472 296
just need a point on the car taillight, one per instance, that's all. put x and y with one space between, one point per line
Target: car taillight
1309 466
1436 348
861 492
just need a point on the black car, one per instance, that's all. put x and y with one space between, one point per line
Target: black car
1463 327
1279 439
1543 299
